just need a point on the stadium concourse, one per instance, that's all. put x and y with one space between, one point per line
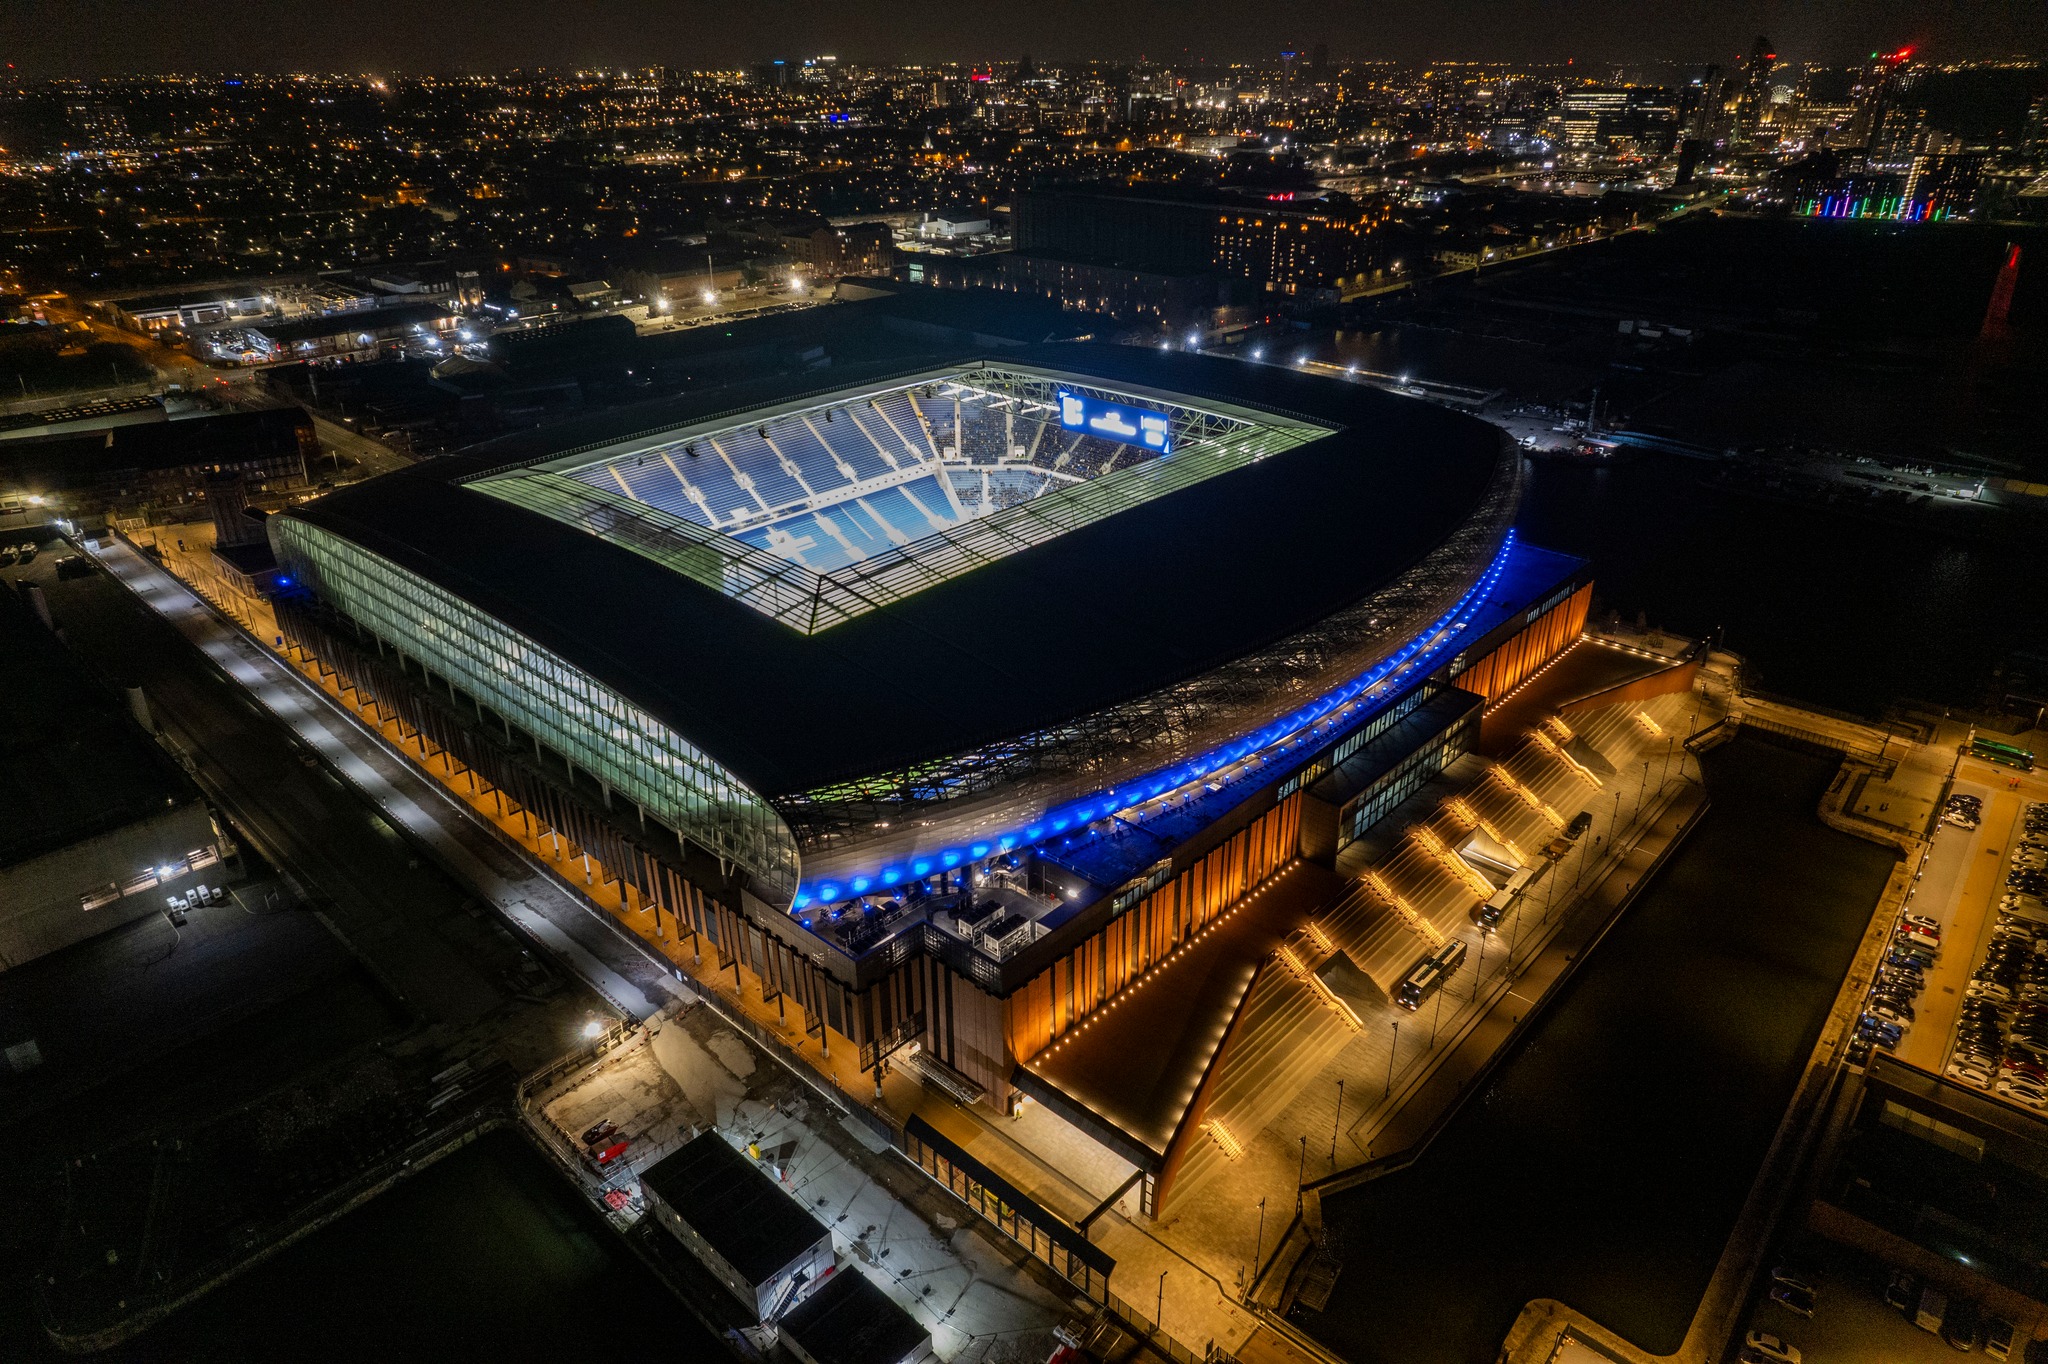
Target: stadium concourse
1041 726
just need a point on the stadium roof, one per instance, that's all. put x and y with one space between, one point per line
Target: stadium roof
823 584
1121 607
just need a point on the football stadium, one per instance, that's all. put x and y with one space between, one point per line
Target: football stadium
941 709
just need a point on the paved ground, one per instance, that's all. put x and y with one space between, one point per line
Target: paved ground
1959 886
958 1276
1851 1323
112 1003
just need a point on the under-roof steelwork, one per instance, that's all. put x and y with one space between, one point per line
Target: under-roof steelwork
816 512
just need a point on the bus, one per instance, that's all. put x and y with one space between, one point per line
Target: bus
1992 751
1429 974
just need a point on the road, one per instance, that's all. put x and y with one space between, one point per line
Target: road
372 457
364 831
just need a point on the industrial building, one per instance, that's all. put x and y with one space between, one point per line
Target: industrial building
753 1237
160 464
1288 242
97 824
850 1321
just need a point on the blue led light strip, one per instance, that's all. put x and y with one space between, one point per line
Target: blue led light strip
1419 654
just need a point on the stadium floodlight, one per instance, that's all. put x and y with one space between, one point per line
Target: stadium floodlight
710 298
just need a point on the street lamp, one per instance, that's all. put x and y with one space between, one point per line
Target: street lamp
1159 1309
1301 1176
1258 1247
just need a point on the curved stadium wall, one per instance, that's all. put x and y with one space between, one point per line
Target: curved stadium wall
590 724
989 792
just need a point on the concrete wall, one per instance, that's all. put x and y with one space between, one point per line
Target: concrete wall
40 898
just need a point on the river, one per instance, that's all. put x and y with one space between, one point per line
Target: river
488 1255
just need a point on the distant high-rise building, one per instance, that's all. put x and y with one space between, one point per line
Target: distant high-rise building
1700 105
2037 128
1587 117
1321 61
1756 89
1874 96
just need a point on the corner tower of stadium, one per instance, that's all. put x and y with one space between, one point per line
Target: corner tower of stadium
940 703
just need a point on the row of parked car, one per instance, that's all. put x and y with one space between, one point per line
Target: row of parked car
2002 1030
2027 873
1963 810
1888 1009
1957 1320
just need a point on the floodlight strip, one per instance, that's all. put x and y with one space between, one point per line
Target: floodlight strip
1419 655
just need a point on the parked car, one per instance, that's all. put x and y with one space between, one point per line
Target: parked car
599 1133
1772 1347
1959 1328
1793 1297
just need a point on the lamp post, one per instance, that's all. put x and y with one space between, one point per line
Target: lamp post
1391 1053
1301 1176
1336 1124
1159 1309
1258 1247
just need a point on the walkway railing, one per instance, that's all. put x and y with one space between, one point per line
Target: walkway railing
1149 1333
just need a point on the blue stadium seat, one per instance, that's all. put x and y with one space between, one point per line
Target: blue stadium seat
896 406
752 456
856 443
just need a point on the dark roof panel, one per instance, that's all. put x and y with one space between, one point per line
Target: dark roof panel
850 1321
752 1223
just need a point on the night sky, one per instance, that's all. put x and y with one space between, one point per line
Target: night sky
100 37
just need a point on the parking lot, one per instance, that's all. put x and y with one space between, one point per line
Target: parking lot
1851 1322
1971 992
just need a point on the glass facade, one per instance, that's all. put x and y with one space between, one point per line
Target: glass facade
1407 777
588 723
1066 1248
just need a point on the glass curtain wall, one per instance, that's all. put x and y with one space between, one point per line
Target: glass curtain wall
594 727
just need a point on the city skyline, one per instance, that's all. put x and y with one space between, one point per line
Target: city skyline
98 38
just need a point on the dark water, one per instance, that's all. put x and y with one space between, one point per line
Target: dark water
1606 1163
488 1255
1828 609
